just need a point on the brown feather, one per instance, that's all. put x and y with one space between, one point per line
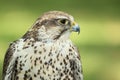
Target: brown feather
7 59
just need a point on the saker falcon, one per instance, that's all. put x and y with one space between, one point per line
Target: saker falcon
45 52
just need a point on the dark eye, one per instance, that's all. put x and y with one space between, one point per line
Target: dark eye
63 21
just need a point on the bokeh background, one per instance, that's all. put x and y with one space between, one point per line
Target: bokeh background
98 42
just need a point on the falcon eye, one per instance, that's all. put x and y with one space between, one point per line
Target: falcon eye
63 21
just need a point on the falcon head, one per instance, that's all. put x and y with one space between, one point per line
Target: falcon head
53 25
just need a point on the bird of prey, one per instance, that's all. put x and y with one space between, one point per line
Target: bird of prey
45 51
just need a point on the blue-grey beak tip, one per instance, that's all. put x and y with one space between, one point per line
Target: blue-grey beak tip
76 29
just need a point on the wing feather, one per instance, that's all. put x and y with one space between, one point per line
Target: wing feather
76 65
7 60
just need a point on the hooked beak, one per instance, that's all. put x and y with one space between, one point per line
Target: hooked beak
75 27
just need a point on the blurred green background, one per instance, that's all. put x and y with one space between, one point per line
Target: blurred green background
98 42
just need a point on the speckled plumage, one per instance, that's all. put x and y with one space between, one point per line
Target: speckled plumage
45 52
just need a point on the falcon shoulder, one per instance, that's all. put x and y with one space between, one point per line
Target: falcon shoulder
76 65
9 63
